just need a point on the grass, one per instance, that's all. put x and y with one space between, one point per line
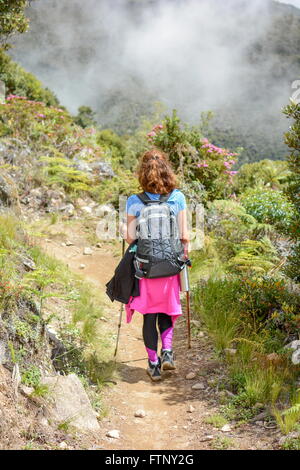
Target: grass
286 423
206 262
102 410
40 390
262 384
11 242
65 425
289 419
85 304
8 231
53 218
235 410
257 386
215 308
30 446
216 420
291 444
55 268
222 443
257 382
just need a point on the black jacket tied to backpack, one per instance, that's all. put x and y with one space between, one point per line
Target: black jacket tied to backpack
124 284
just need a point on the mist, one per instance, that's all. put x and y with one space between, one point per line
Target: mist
193 55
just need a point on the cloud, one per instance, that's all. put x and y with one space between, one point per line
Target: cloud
191 54
296 3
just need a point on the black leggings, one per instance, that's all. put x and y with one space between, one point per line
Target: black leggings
150 333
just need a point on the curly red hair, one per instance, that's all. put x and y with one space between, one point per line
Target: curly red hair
155 173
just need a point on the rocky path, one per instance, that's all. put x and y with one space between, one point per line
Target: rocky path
175 414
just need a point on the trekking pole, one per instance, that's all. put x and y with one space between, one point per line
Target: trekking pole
185 287
188 318
121 308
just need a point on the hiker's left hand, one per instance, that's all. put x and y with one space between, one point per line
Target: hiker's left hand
186 250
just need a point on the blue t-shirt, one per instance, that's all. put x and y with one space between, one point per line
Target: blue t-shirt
176 200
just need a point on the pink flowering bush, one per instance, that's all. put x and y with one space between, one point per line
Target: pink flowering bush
155 130
46 128
195 158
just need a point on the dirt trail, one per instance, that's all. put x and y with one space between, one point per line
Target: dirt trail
168 423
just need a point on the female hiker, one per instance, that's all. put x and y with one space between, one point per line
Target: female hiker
159 300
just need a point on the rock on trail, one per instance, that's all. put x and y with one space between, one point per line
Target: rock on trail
67 402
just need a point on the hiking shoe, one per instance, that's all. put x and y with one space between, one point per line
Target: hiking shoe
167 359
154 370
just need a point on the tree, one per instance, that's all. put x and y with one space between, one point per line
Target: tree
85 117
12 19
292 139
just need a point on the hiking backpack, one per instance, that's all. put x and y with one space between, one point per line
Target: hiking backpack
159 250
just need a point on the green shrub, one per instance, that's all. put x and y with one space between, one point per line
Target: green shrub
265 173
228 220
233 304
31 376
113 146
19 82
48 129
33 122
85 117
292 139
269 206
261 296
284 320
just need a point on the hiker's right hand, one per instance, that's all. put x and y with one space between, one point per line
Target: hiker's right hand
123 229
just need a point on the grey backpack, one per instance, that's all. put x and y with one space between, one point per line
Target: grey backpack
159 250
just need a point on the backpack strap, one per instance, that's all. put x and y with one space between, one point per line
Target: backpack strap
165 197
146 200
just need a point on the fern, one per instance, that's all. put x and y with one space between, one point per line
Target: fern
295 409
254 255
60 171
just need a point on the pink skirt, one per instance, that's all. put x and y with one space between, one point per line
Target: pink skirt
159 295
